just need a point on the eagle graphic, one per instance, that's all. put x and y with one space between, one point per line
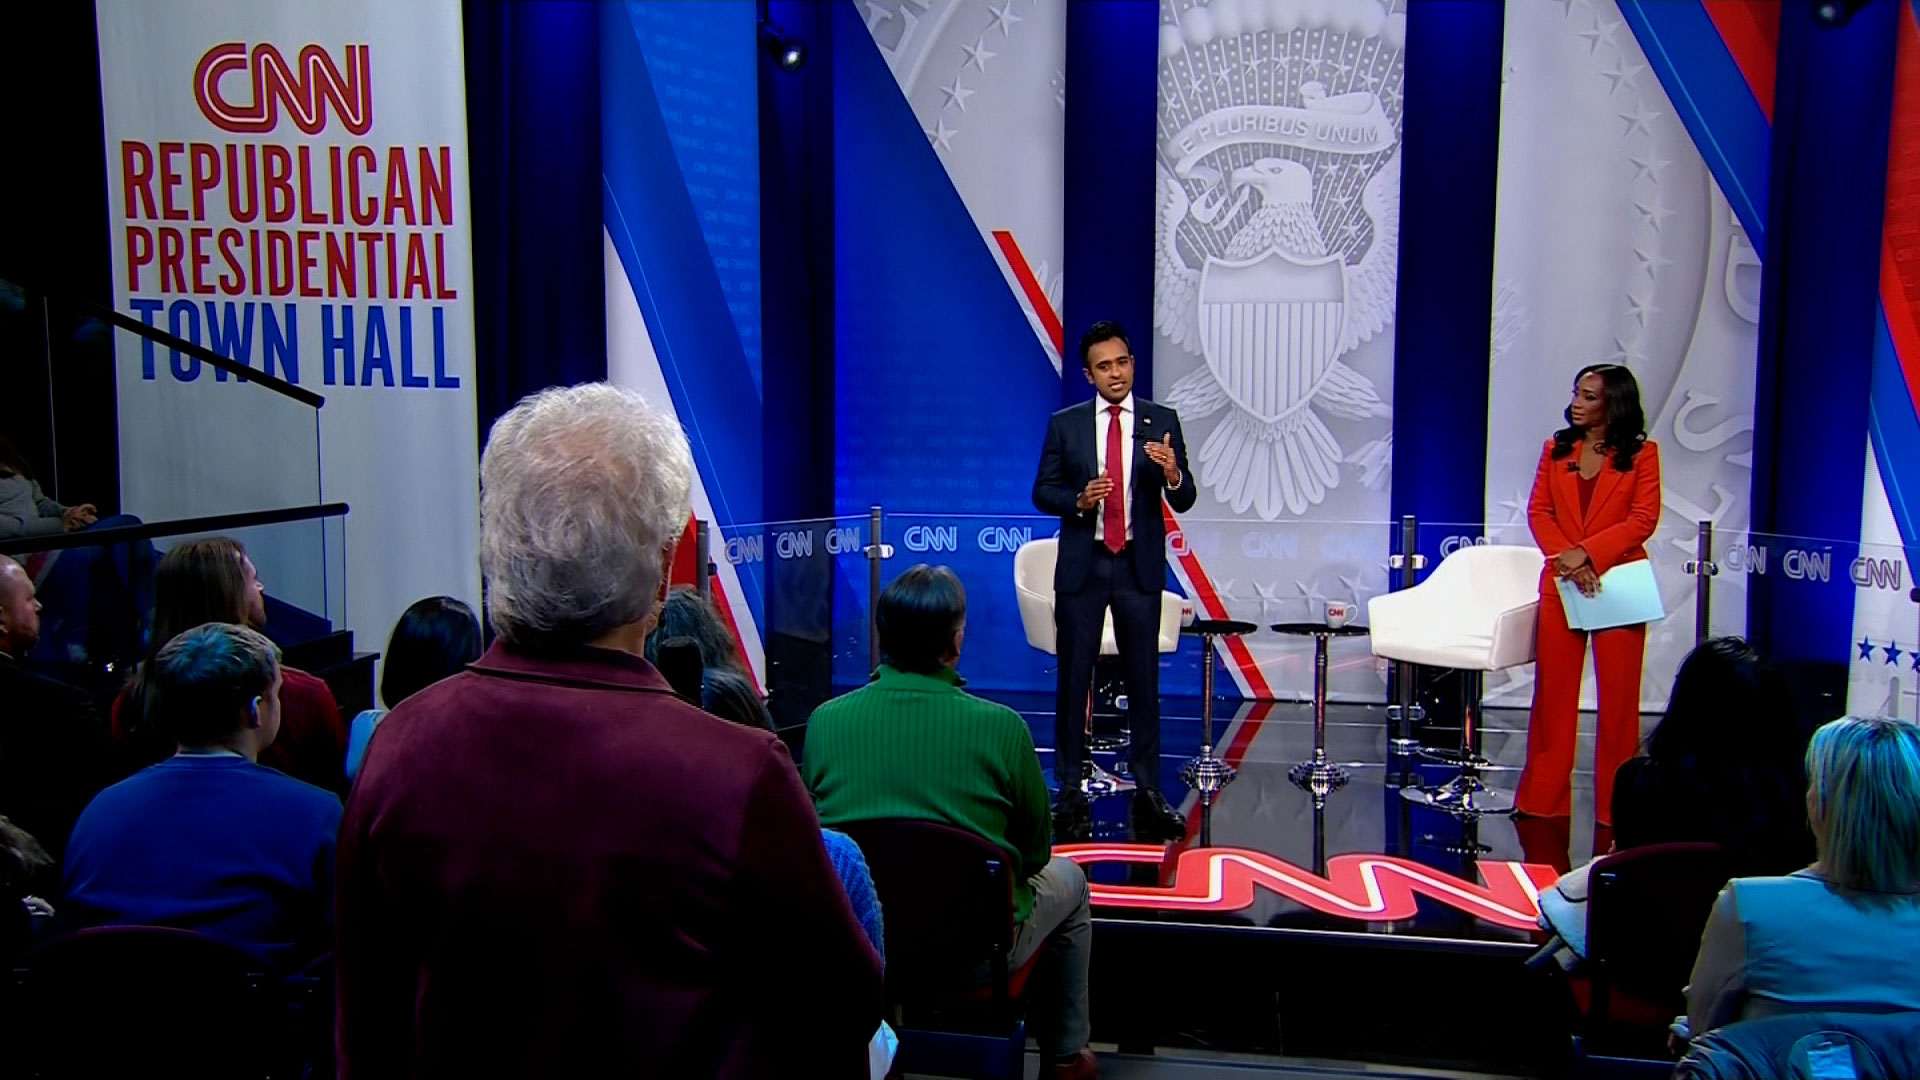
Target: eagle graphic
1272 315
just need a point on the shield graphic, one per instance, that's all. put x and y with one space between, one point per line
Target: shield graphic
1270 327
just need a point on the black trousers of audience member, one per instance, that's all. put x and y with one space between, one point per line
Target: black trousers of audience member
1077 619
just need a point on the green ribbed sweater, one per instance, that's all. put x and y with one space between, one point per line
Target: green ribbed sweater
919 747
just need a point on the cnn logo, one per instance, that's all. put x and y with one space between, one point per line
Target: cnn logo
305 89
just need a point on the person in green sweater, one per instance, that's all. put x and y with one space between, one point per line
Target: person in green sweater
912 744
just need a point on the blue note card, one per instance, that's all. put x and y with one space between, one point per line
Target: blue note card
1628 595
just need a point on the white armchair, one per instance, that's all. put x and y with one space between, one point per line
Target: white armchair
1033 582
1475 613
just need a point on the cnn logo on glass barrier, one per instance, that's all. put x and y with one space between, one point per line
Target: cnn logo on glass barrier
304 89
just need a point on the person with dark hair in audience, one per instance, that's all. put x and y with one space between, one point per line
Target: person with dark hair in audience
434 638
1839 935
203 581
730 695
550 864
1726 765
53 745
209 839
912 744
687 614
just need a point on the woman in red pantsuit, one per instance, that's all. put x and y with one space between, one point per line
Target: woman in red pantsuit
1595 503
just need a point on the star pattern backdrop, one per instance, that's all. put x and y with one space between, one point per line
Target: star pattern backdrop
1615 243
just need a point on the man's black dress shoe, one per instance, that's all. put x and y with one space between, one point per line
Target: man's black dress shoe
1154 820
1072 819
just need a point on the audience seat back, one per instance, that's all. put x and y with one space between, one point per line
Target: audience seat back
1646 909
145 1000
947 896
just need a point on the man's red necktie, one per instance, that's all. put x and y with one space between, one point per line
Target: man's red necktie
1113 514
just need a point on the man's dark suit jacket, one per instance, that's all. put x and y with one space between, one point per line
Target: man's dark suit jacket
1068 463
555 867
54 754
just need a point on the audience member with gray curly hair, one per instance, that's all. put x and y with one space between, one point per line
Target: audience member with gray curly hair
616 881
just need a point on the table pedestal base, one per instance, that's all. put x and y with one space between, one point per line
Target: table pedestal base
1463 796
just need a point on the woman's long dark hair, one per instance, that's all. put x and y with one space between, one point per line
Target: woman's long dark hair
434 638
1626 423
1731 723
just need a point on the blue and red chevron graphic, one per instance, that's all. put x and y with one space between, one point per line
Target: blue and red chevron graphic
1894 415
1716 60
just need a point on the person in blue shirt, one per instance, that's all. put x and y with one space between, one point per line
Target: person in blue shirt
209 839
434 638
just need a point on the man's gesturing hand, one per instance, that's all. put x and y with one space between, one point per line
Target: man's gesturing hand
1098 488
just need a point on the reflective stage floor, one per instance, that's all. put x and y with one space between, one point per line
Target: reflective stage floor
1366 927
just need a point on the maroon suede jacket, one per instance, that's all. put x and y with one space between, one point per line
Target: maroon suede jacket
552 866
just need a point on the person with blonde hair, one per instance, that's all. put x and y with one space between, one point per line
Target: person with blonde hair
1841 934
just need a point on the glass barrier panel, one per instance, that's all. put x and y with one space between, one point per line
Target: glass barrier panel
1839 617
1884 647
194 440
1009 643
97 599
1284 572
805 582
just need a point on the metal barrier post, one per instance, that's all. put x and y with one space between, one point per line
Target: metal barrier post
1703 569
876 551
1404 712
703 558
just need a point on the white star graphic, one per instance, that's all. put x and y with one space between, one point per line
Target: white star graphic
1648 166
1637 119
1224 589
1623 72
1515 505
1269 594
1596 36
1311 592
1352 585
1654 213
1638 309
941 135
957 95
1003 18
1651 262
1627 352
977 55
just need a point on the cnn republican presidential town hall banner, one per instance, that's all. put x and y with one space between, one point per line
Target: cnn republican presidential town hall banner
288 187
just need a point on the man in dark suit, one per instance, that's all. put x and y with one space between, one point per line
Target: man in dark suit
53 743
1104 468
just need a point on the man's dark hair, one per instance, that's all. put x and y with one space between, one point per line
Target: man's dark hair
919 614
1104 330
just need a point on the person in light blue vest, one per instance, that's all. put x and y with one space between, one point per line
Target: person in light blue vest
434 638
1841 935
